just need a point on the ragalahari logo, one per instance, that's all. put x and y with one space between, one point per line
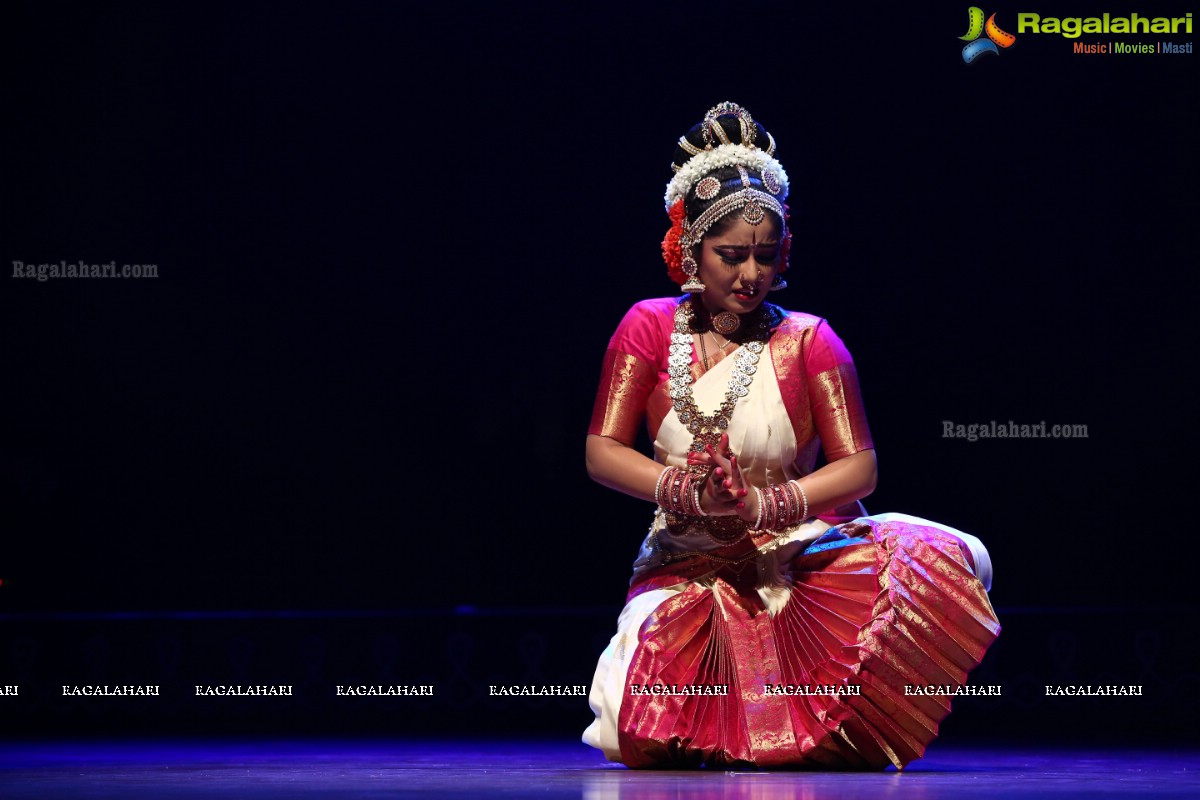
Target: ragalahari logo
976 27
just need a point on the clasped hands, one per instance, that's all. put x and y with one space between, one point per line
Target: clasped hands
725 491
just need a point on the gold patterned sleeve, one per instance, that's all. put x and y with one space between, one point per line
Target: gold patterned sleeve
837 405
625 384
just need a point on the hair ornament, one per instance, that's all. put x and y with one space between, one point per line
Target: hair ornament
771 181
714 125
708 188
727 155
720 153
753 212
745 122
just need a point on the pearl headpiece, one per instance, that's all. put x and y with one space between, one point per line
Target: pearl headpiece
726 154
696 171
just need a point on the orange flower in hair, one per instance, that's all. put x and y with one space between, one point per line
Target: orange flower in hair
672 250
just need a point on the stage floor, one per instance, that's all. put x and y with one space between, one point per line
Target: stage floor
395 769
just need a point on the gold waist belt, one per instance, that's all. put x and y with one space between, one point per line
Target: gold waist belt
723 530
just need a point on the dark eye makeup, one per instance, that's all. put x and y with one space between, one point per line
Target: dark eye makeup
736 254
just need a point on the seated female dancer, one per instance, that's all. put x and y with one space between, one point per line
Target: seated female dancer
769 621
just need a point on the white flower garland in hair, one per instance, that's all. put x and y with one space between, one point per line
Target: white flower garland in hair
726 155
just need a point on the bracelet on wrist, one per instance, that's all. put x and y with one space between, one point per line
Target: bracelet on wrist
758 494
678 491
780 506
663 477
803 499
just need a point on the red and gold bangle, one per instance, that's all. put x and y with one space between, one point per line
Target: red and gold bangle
791 504
781 506
771 511
682 495
663 477
768 520
675 492
678 491
794 507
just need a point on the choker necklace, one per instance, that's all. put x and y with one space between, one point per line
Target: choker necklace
738 328
726 322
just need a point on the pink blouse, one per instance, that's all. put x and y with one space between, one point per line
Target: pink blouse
815 373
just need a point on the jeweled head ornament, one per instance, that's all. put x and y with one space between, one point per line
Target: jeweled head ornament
717 152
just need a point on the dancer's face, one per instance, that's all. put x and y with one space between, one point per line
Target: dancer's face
738 265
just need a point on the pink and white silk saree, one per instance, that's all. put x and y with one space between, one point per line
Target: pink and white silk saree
794 649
